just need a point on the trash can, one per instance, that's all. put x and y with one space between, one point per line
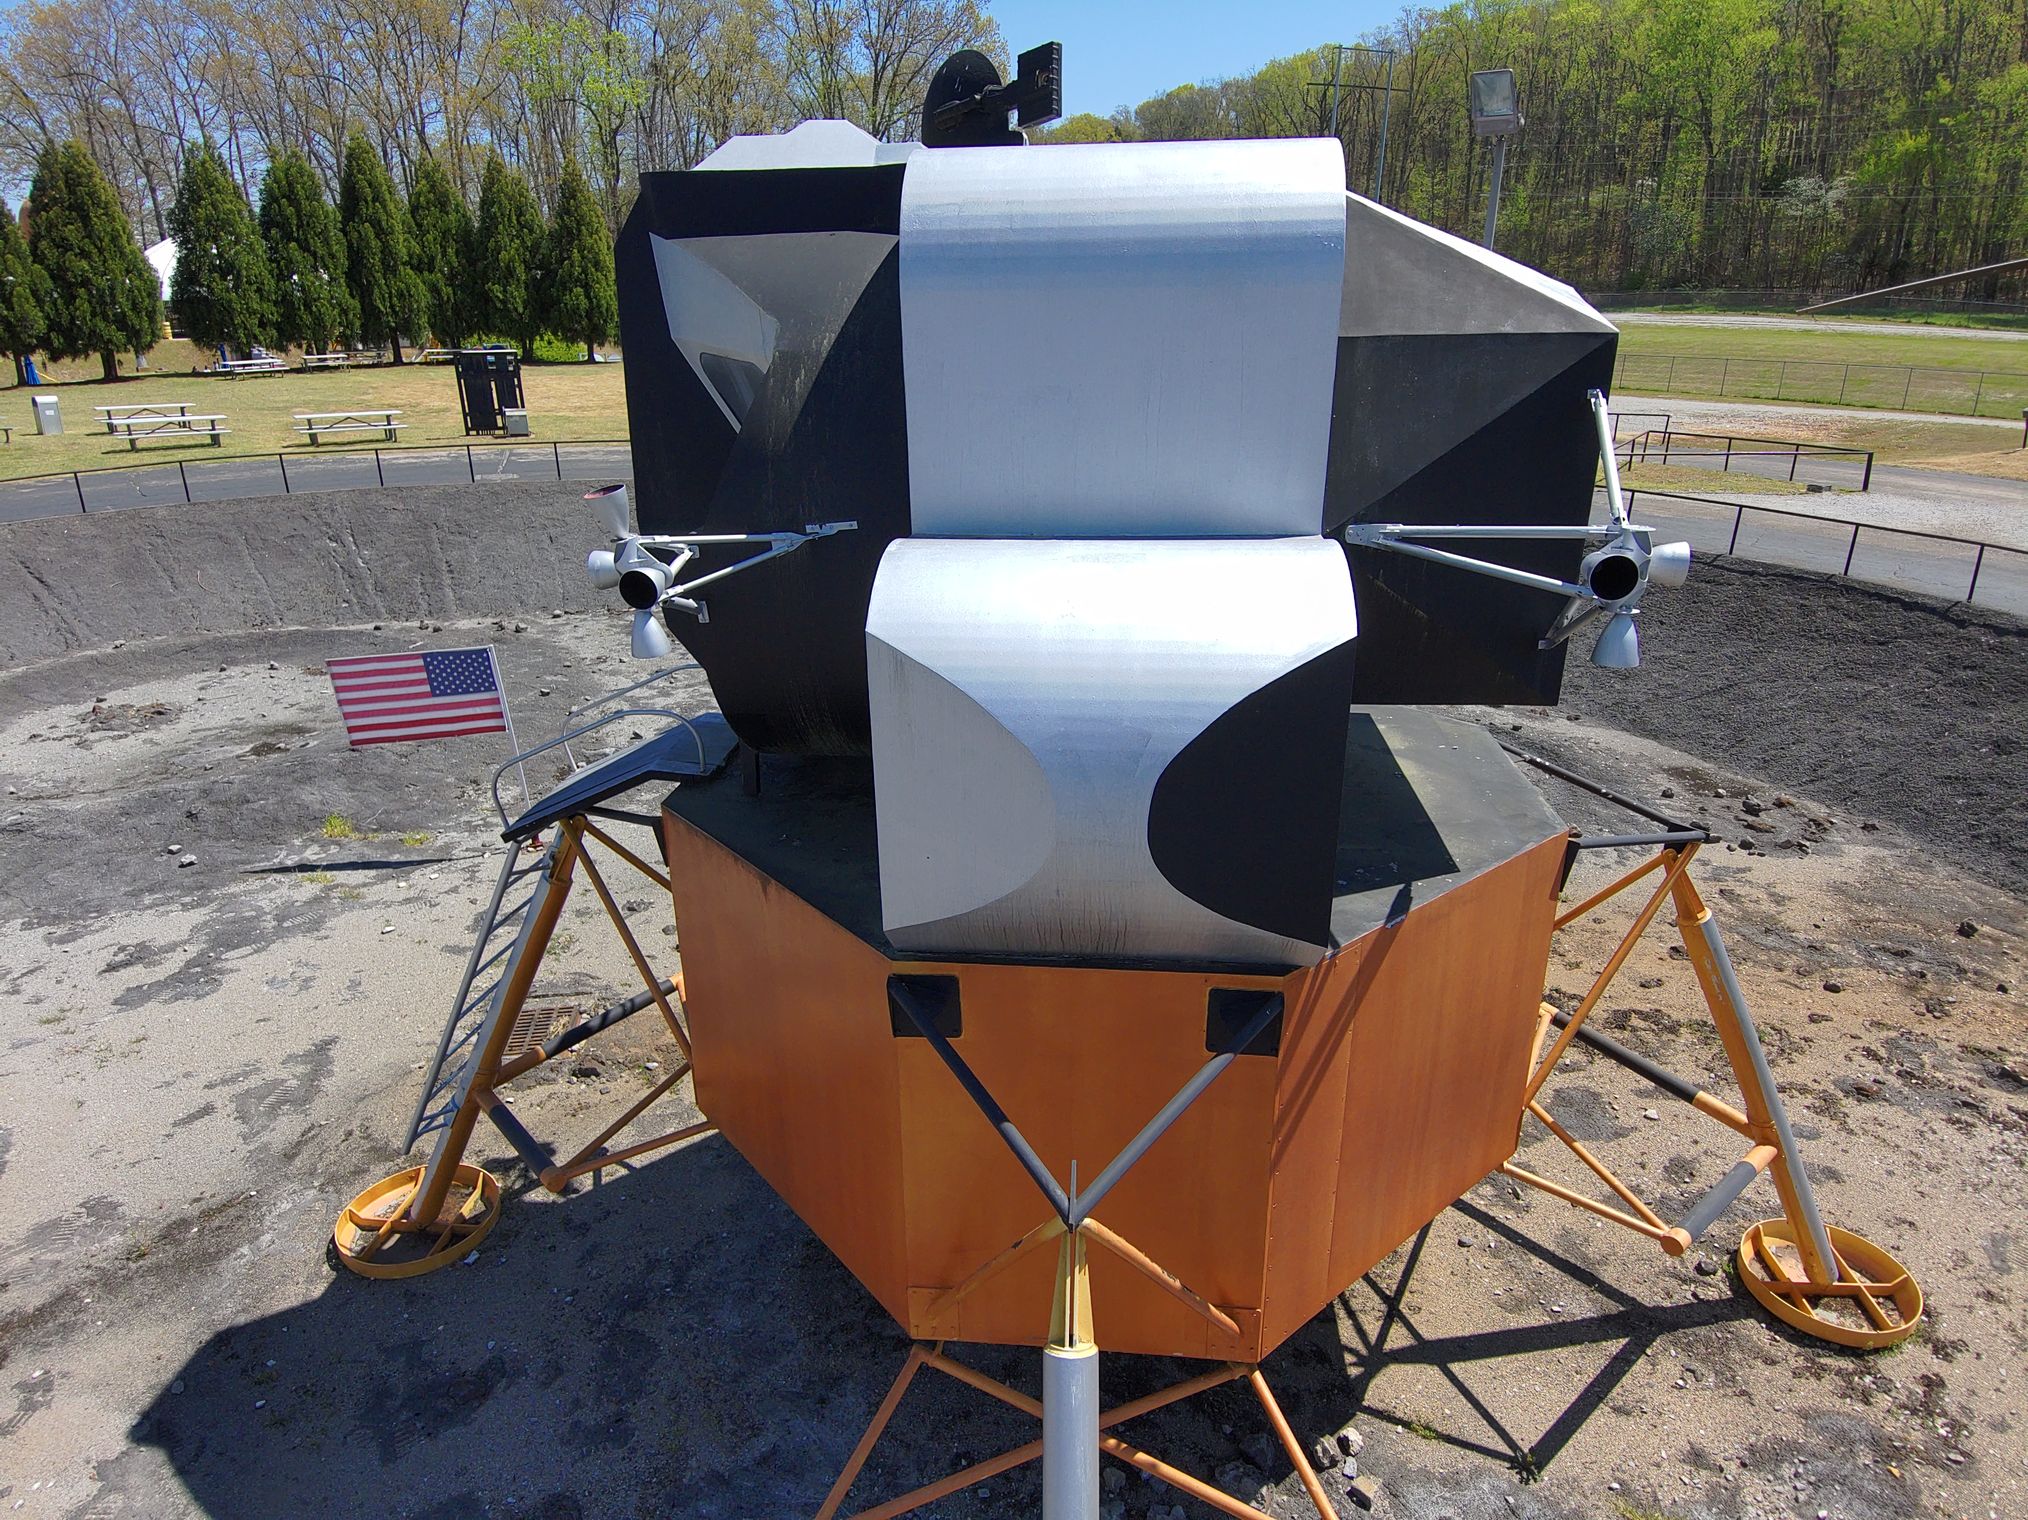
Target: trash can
48 416
516 420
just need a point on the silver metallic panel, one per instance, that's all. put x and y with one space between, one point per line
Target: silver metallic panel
1407 278
1121 340
1026 698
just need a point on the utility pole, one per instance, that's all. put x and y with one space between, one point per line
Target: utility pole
1337 87
1386 111
1337 75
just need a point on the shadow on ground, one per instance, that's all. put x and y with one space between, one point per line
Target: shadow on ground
635 1349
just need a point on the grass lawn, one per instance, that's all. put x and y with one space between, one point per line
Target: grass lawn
1998 321
1861 344
565 401
1859 367
1695 482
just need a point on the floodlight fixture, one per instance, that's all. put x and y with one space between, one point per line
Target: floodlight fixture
1495 106
1495 103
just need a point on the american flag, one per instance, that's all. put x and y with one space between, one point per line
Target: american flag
388 698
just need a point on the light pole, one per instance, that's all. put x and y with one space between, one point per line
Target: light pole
1496 113
1337 86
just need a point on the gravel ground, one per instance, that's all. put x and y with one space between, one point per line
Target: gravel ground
1890 707
202 1062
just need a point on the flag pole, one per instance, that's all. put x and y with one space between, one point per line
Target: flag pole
507 716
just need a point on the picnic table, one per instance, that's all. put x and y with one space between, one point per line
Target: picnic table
338 360
366 420
162 410
368 355
235 368
136 430
436 355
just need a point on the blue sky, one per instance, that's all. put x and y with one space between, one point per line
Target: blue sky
1120 52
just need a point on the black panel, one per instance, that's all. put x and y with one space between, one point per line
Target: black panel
822 438
1385 833
934 996
1245 818
1429 633
1227 1012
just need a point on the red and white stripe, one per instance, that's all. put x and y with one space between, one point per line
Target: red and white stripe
385 699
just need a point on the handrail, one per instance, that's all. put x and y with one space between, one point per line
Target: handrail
597 702
579 733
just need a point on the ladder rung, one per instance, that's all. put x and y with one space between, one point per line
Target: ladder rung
477 999
506 949
506 916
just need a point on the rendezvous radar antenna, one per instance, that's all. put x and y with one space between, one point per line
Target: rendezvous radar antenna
1091 950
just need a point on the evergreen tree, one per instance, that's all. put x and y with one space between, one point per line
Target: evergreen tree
23 290
577 272
378 251
443 247
103 295
306 255
508 256
222 291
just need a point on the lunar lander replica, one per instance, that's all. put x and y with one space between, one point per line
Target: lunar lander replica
1085 934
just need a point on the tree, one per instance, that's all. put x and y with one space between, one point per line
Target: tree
508 256
577 272
306 255
23 290
379 265
103 296
443 250
222 291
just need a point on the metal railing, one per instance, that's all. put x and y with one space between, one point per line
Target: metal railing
1902 387
169 482
1967 570
1672 445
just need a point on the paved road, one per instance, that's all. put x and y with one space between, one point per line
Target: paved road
172 483
1775 531
1746 416
1810 324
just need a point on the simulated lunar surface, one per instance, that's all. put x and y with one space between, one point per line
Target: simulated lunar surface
228 942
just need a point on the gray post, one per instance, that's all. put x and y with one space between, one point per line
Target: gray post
1337 73
1493 190
1790 1158
1386 110
1070 1432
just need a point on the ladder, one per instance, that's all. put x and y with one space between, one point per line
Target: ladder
496 954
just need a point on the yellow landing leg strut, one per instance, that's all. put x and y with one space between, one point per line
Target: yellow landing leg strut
432 1215
1823 1281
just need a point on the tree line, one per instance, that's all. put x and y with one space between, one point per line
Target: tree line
300 271
617 87
1790 144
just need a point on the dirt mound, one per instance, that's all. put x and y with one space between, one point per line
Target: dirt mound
273 562
1896 707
